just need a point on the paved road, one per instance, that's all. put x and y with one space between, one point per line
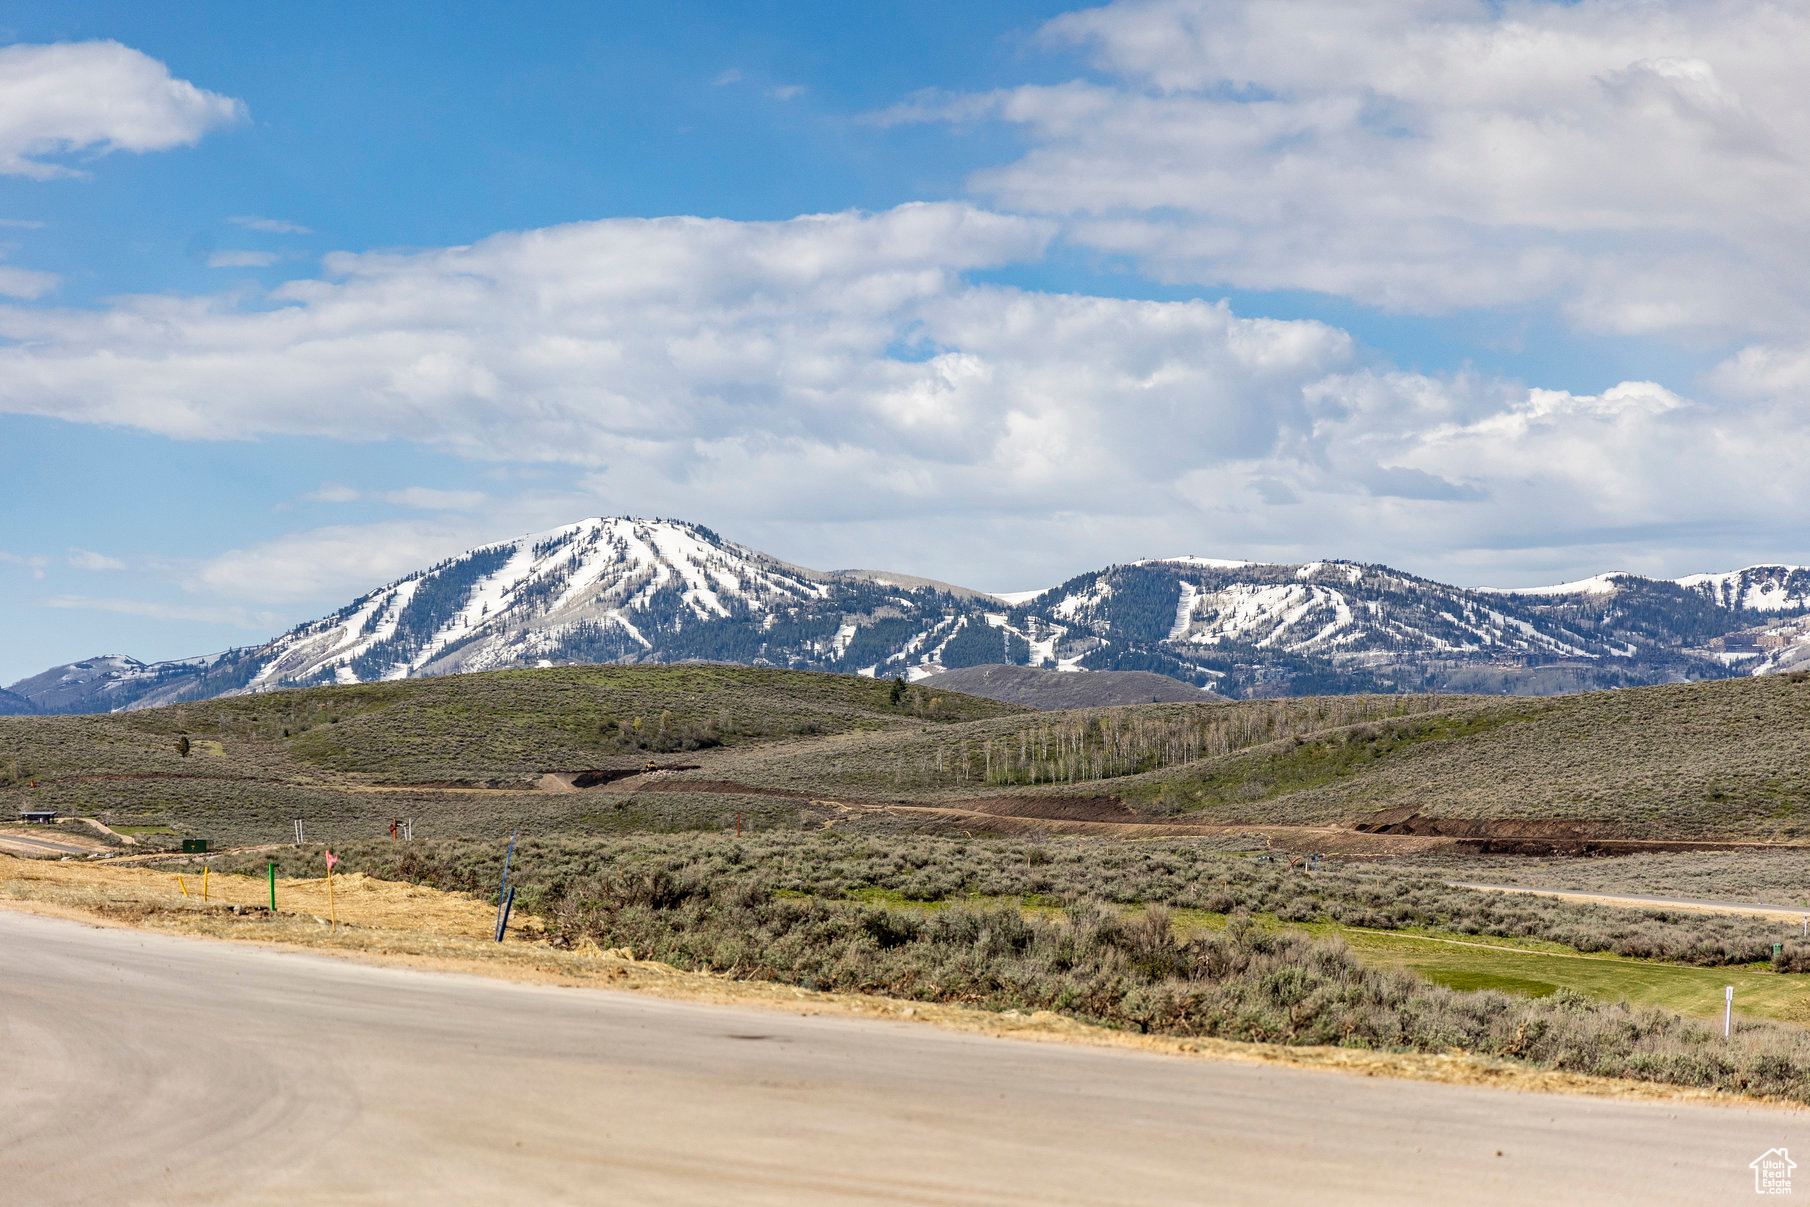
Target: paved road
141 1068
1606 898
37 846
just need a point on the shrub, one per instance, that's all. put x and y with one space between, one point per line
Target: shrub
777 908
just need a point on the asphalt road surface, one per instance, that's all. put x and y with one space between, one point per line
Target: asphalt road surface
38 846
142 1068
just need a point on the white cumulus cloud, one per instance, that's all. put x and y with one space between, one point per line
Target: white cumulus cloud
1639 165
331 563
764 377
25 283
570 343
92 98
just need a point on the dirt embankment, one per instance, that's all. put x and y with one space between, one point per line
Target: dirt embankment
1533 836
599 777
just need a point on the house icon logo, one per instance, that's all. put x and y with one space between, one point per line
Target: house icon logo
1772 1172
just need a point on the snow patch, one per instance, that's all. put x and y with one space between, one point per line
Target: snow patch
1600 584
1754 588
844 635
1184 612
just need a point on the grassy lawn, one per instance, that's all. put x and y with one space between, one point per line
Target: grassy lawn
1526 967
1465 963
1536 968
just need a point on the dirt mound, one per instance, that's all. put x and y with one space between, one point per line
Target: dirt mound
1398 821
609 775
1597 846
1527 836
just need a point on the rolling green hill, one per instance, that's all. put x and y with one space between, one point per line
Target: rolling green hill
1722 760
466 751
1726 760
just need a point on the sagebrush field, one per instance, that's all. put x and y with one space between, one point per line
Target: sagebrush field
1273 870
1186 939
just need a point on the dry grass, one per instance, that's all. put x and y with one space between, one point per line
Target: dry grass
359 901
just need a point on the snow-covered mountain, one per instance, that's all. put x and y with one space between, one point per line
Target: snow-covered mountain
630 590
1756 588
1250 628
112 682
603 590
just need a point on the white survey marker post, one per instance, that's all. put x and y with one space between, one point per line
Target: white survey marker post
1728 1009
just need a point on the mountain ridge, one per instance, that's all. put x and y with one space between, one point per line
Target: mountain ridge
623 589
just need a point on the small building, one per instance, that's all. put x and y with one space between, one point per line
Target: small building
42 817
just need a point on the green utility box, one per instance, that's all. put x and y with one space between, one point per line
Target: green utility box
194 846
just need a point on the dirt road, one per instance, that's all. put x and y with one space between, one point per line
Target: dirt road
142 1068
1690 904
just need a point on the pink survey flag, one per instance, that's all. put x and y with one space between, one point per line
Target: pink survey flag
331 860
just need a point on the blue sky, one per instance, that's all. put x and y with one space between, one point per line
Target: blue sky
1169 277
386 126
